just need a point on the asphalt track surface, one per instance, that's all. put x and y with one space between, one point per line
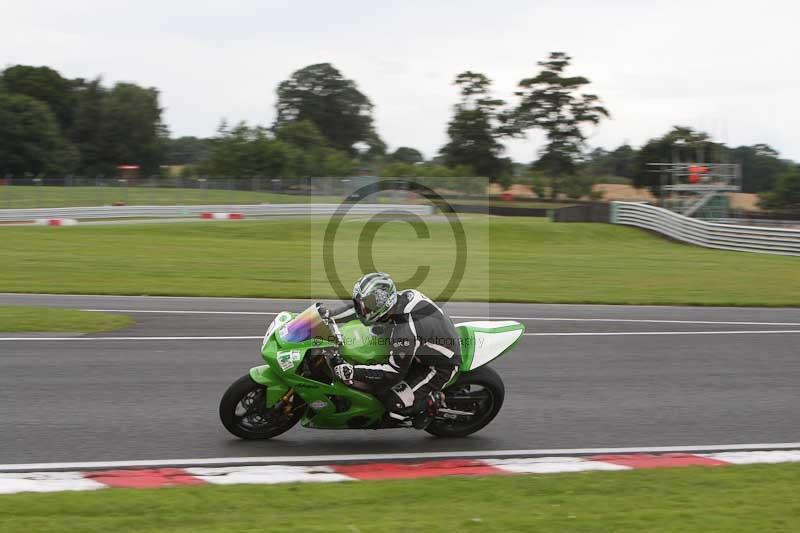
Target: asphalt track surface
584 376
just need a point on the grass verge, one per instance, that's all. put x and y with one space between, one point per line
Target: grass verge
508 259
730 499
23 318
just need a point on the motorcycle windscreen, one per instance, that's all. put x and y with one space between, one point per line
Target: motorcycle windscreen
307 325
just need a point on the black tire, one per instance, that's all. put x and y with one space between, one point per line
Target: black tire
488 401
257 421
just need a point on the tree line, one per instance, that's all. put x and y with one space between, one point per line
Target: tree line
324 126
760 164
51 125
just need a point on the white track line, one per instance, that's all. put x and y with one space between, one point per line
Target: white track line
186 312
554 334
532 318
35 295
226 338
612 333
390 456
641 320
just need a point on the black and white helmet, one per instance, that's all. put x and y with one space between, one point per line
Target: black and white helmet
374 295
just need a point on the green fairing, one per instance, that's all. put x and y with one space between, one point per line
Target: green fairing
284 359
361 346
467 349
275 387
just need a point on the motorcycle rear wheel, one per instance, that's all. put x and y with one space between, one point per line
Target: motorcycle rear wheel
480 391
244 413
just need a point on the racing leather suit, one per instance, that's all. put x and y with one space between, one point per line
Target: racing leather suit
425 353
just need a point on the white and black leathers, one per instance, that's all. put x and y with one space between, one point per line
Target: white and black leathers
425 353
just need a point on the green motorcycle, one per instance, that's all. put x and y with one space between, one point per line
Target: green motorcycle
296 383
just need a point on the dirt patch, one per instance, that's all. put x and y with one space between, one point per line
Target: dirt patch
516 189
743 201
623 193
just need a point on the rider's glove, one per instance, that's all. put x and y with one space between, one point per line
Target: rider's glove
344 372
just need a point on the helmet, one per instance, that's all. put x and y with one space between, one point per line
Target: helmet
374 295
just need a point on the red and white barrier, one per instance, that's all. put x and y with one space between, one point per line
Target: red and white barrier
55 222
222 216
271 474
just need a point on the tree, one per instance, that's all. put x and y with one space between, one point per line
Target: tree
45 85
618 162
577 186
552 102
302 134
30 140
313 157
760 166
87 132
132 126
244 151
298 150
786 194
103 128
475 129
319 93
187 150
404 154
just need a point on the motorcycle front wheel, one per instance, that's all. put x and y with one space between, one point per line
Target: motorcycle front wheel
244 412
481 393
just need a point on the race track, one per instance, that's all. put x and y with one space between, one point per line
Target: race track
584 376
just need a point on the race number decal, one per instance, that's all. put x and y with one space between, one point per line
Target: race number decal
288 359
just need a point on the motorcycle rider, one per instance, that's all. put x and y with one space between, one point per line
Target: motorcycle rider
425 350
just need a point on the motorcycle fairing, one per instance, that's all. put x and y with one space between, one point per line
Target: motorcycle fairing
484 341
337 406
331 405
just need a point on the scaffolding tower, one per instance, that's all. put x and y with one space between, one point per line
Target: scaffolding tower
698 189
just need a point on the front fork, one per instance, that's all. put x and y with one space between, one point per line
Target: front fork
276 390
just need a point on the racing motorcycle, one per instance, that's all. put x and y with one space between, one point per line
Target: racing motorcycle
297 385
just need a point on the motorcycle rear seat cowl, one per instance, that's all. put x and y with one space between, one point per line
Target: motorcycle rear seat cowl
484 341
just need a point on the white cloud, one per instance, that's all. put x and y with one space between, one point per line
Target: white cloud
729 67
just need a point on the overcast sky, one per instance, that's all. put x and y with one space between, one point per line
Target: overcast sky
731 68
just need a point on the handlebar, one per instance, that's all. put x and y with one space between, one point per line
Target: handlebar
328 316
343 308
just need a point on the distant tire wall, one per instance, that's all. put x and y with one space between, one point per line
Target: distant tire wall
505 211
596 212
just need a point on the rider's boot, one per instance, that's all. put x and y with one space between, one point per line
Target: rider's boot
431 404
394 420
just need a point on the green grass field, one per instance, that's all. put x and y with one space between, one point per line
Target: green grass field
22 197
515 260
757 498
23 318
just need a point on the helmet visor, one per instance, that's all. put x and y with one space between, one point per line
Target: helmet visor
373 304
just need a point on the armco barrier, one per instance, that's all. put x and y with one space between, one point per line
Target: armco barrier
173 211
724 236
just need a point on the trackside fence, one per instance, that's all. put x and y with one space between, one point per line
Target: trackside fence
723 236
174 211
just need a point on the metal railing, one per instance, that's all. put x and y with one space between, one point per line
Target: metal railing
723 236
769 222
19 192
30 192
175 211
